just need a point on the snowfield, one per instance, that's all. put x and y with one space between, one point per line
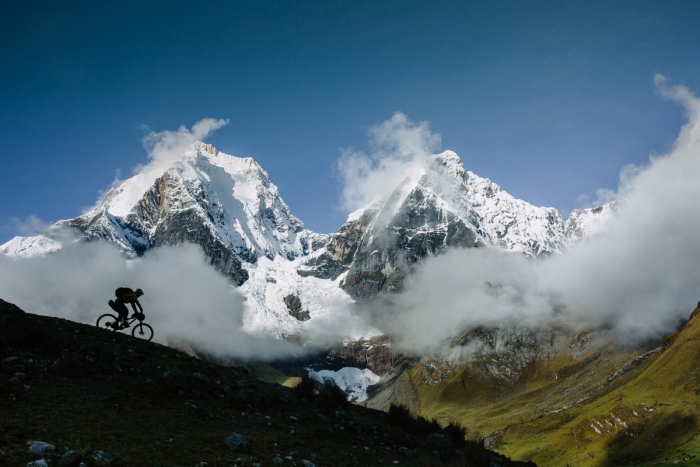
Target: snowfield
351 380
270 281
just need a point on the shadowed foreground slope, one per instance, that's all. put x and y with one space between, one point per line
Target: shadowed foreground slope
110 399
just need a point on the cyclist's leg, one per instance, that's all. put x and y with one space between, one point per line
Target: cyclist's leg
123 312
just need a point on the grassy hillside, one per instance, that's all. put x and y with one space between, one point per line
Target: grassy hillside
110 399
608 407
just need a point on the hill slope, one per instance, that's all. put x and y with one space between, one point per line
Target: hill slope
601 405
111 399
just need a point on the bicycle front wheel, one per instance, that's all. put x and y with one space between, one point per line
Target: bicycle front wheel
106 322
142 331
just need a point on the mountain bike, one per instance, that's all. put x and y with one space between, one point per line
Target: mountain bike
141 330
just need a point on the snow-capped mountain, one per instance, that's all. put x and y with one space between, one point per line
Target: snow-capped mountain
446 206
225 204
229 207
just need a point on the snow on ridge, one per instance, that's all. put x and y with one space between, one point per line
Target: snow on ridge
120 201
353 381
584 223
497 218
30 246
355 215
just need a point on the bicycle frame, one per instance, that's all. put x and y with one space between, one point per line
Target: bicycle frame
140 330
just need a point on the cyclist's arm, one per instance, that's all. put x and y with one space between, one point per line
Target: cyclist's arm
133 305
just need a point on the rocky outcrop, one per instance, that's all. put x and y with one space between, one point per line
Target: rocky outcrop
293 303
186 223
339 251
388 253
497 356
374 354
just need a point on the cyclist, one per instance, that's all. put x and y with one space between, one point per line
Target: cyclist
125 295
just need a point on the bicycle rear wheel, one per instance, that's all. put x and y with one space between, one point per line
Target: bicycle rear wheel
106 321
142 331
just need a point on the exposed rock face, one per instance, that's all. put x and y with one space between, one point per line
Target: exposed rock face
395 387
339 251
446 207
418 229
295 309
497 356
374 354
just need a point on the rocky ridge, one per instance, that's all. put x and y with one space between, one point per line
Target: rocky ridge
448 207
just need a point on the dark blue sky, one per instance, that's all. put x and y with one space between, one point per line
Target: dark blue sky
549 99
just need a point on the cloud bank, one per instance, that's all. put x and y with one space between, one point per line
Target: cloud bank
166 147
32 225
186 300
638 279
400 149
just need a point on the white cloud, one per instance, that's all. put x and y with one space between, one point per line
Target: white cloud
400 149
28 227
642 276
186 300
166 147
639 279
602 196
464 288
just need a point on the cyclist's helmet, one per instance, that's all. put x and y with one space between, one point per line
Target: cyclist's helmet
138 292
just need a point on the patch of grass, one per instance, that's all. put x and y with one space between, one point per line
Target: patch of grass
457 434
401 416
332 396
306 388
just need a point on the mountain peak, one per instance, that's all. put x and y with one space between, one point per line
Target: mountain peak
232 164
450 161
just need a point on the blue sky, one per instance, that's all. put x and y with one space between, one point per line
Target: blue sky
549 99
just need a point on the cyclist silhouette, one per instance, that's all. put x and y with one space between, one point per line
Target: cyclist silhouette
126 295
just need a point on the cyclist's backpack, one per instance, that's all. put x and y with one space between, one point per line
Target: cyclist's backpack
121 291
